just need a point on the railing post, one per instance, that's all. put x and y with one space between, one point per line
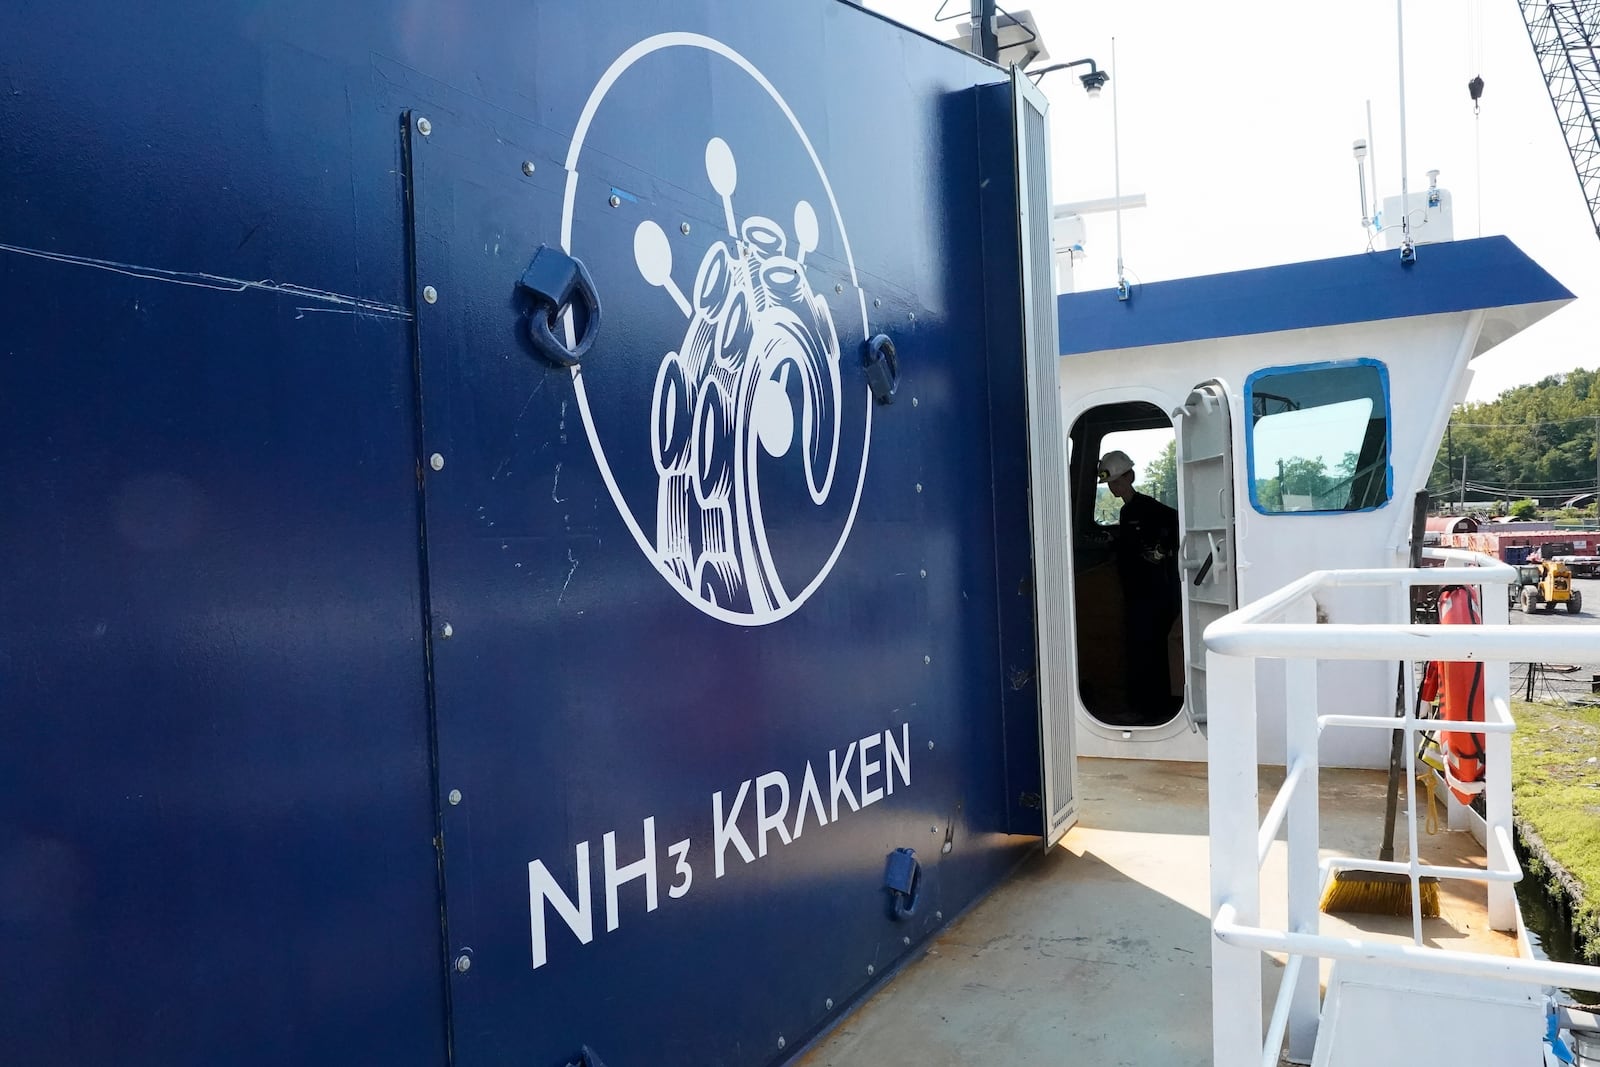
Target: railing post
1497 769
1304 833
1235 877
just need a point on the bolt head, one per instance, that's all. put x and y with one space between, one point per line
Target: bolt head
933 829
828 1004
913 316
684 229
871 969
919 487
781 1041
615 200
938 915
463 963
436 461
927 659
424 127
877 303
930 746
455 796
913 401
447 630
430 294
838 288
527 167
923 573
905 941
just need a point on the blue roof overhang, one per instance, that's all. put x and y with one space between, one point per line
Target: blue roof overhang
1480 274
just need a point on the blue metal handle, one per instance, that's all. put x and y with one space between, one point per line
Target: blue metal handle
902 876
553 281
883 368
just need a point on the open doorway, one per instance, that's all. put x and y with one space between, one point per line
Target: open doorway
1129 631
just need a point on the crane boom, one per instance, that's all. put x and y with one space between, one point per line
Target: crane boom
1563 35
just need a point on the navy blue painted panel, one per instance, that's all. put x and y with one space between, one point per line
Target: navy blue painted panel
214 652
215 750
1458 276
583 688
999 222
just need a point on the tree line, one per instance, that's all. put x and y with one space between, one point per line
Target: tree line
1534 441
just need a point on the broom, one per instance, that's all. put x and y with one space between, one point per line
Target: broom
1380 892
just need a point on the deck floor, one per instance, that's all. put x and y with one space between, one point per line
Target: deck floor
1099 951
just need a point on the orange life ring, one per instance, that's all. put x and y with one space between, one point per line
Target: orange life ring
1458 689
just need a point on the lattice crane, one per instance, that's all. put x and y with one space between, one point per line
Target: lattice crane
1564 34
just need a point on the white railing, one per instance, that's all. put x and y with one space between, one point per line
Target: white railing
1283 626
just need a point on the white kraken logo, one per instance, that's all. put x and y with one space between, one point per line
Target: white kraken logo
722 400
754 320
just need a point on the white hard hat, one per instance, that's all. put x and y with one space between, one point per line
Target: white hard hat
1114 465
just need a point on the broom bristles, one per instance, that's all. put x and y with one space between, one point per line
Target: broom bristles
1378 893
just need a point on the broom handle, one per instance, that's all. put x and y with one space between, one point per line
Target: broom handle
1386 853
1419 523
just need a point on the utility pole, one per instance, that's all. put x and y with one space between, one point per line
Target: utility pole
1463 484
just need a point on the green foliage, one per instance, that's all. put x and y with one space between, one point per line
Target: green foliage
1160 478
1554 789
1524 509
1533 440
1328 488
1107 508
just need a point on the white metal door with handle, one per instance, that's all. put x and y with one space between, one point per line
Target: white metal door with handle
1206 557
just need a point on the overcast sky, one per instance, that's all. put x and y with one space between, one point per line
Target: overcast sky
1237 119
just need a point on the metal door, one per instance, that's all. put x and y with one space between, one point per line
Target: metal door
1047 449
1206 550
670 600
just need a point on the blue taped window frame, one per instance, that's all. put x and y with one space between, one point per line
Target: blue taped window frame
1250 431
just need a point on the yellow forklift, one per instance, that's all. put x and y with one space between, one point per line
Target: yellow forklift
1542 584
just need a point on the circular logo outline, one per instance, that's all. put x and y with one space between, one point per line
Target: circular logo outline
758 615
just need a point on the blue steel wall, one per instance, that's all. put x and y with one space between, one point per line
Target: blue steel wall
226 685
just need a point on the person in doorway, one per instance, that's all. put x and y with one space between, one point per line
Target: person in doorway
1147 562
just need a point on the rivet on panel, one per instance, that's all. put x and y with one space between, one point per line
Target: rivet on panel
828 1003
436 461
913 401
933 829
930 746
919 487
684 229
927 659
781 1041
871 969
424 127
463 963
938 915
838 288
913 316
455 796
877 303
615 200
905 941
527 167
430 294
447 630
923 573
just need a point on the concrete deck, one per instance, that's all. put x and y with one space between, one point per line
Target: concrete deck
1098 952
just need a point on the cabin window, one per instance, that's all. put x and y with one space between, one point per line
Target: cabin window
1319 438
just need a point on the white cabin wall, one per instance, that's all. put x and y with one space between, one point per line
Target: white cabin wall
1426 362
